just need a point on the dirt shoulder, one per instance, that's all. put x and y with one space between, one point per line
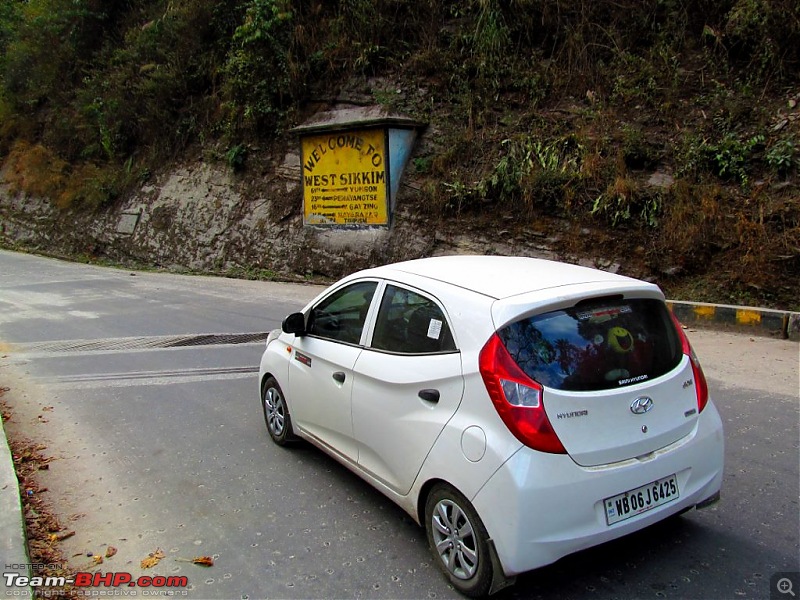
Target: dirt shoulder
45 528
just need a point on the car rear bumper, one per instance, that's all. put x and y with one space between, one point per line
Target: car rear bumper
540 507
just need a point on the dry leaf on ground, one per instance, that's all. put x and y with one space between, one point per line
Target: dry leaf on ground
152 559
61 535
203 561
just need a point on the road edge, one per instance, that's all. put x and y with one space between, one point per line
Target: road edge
768 322
13 541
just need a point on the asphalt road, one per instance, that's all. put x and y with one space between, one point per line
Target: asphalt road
160 444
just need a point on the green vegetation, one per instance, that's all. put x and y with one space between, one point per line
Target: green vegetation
784 156
141 80
541 108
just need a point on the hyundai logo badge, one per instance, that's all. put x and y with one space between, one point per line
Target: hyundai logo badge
641 405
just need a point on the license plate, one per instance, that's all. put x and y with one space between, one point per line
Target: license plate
635 502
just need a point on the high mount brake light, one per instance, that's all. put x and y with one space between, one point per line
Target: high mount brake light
700 383
517 398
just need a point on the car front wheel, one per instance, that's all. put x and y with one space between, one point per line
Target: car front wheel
276 412
458 541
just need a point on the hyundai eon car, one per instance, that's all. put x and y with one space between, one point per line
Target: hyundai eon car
519 409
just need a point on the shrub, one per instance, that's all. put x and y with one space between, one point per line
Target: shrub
257 83
89 187
783 156
728 157
637 151
47 45
764 35
236 157
35 170
624 202
149 88
692 224
533 173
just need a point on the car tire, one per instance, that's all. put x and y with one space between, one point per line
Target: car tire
276 412
458 541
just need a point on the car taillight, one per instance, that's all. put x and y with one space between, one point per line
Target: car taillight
700 383
517 398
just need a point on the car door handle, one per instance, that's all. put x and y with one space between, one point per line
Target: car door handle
339 377
429 395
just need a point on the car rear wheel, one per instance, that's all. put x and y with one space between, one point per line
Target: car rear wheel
458 541
276 412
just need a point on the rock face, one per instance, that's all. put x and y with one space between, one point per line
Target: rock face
202 217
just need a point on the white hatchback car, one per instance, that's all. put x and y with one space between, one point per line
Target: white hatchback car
520 409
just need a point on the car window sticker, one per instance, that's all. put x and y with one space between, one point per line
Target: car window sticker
434 329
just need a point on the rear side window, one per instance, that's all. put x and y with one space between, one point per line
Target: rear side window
596 345
410 323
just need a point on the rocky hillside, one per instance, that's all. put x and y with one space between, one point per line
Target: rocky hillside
660 139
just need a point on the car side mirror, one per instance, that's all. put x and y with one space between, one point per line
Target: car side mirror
295 323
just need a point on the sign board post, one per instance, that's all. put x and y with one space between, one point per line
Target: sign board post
346 177
351 163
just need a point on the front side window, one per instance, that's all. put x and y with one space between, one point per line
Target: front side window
341 315
596 345
411 323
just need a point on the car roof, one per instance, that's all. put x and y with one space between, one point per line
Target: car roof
499 276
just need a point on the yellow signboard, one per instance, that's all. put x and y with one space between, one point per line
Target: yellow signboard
345 178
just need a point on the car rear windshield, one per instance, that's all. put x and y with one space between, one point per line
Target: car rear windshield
596 345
